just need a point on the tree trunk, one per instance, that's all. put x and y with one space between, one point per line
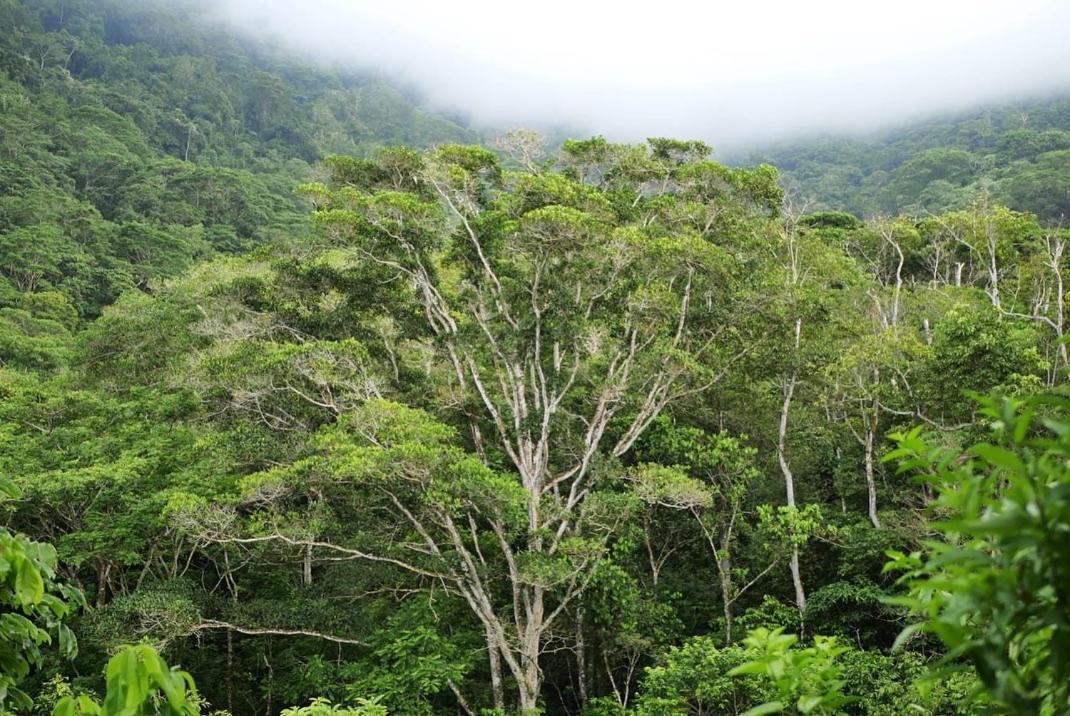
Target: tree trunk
529 681
796 580
494 658
103 583
789 486
270 681
871 482
724 566
581 661
870 445
993 266
528 688
782 432
1056 246
230 671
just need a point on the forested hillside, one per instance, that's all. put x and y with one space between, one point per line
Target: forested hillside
1016 154
136 139
304 391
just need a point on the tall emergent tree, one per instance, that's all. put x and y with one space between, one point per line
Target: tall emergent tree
555 316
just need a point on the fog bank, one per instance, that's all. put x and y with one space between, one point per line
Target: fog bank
734 74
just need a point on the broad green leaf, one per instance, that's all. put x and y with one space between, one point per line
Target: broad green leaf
28 583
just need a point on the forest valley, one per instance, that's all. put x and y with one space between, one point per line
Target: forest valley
494 428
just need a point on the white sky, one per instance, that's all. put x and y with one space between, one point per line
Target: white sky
733 73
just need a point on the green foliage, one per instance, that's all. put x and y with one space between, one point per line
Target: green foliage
138 682
974 349
484 415
36 608
769 673
792 525
323 707
697 678
412 662
995 589
806 680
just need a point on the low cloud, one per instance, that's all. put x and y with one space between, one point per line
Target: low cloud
733 73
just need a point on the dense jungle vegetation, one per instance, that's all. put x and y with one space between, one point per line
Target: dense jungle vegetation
304 389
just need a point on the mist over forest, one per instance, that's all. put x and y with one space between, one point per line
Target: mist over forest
737 76
361 360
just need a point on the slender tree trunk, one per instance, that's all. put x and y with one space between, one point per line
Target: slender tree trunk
782 432
889 236
722 557
870 445
230 671
1056 247
103 583
581 661
789 485
839 486
271 682
796 580
993 266
724 566
871 482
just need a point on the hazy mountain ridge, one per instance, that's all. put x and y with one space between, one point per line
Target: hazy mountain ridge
1017 154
